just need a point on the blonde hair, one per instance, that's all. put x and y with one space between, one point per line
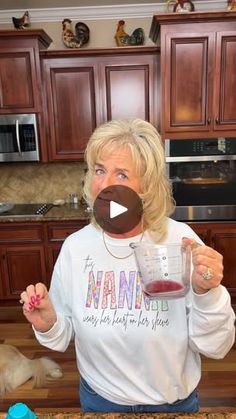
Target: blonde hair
147 151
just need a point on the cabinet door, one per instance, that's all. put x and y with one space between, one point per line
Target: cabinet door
18 85
70 86
186 74
52 255
225 84
22 265
1 273
202 230
129 87
57 232
223 239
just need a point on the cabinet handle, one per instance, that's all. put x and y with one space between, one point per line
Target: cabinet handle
217 120
208 121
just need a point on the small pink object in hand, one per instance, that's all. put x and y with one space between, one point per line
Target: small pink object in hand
34 301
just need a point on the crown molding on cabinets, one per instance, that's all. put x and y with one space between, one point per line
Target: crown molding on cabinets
104 12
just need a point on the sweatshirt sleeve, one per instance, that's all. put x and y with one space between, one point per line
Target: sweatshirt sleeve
62 332
211 323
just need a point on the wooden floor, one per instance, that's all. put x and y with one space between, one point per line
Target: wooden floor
217 388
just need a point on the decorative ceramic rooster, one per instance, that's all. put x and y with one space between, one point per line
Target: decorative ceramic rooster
123 39
180 6
231 5
22 22
81 36
184 6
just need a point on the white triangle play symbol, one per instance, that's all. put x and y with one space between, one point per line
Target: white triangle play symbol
116 209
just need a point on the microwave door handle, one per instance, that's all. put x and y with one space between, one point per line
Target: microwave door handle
18 137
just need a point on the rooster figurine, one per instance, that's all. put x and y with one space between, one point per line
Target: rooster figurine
183 6
81 36
180 6
22 22
123 39
231 5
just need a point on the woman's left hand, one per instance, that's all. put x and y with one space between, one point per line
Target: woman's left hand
207 267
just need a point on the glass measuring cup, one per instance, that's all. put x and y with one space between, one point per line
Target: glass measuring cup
165 269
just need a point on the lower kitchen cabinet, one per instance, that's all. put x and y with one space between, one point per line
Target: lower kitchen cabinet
57 232
22 258
222 237
28 252
22 265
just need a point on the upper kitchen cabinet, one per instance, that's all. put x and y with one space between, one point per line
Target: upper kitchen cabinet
129 85
20 78
70 87
198 61
84 88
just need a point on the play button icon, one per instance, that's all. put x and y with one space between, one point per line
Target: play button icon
118 209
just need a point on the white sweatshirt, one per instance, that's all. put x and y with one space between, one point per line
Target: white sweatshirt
129 349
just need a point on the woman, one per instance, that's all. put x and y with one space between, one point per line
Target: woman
133 354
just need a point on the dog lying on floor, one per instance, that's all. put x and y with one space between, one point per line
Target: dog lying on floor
16 369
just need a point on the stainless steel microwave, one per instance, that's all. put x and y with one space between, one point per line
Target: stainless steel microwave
18 138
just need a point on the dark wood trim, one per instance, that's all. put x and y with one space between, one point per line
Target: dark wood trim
98 51
43 38
172 18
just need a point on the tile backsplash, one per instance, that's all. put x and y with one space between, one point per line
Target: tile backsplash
38 182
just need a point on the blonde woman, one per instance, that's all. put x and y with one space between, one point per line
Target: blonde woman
133 354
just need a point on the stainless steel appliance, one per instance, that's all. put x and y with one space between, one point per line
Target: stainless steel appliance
24 210
18 138
203 176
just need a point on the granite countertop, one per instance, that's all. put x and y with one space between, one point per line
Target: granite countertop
68 415
136 416
64 212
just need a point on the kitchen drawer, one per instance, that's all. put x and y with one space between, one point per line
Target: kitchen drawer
19 232
59 232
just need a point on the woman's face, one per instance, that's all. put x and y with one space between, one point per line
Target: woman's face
115 169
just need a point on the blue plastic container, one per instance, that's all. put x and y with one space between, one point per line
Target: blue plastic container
20 411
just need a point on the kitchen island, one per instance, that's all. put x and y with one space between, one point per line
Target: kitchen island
74 415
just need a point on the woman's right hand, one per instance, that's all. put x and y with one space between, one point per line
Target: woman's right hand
38 308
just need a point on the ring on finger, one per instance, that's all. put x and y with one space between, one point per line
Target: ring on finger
208 274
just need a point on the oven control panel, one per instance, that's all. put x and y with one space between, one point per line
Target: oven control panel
202 147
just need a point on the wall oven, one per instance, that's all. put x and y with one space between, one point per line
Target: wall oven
18 138
203 176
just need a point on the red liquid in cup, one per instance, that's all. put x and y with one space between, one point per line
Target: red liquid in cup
162 285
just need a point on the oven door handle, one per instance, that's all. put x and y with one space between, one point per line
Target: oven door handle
18 137
200 158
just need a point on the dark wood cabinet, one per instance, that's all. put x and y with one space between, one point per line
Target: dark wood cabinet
56 233
70 85
22 265
129 86
198 55
222 237
28 252
20 77
88 87
22 258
